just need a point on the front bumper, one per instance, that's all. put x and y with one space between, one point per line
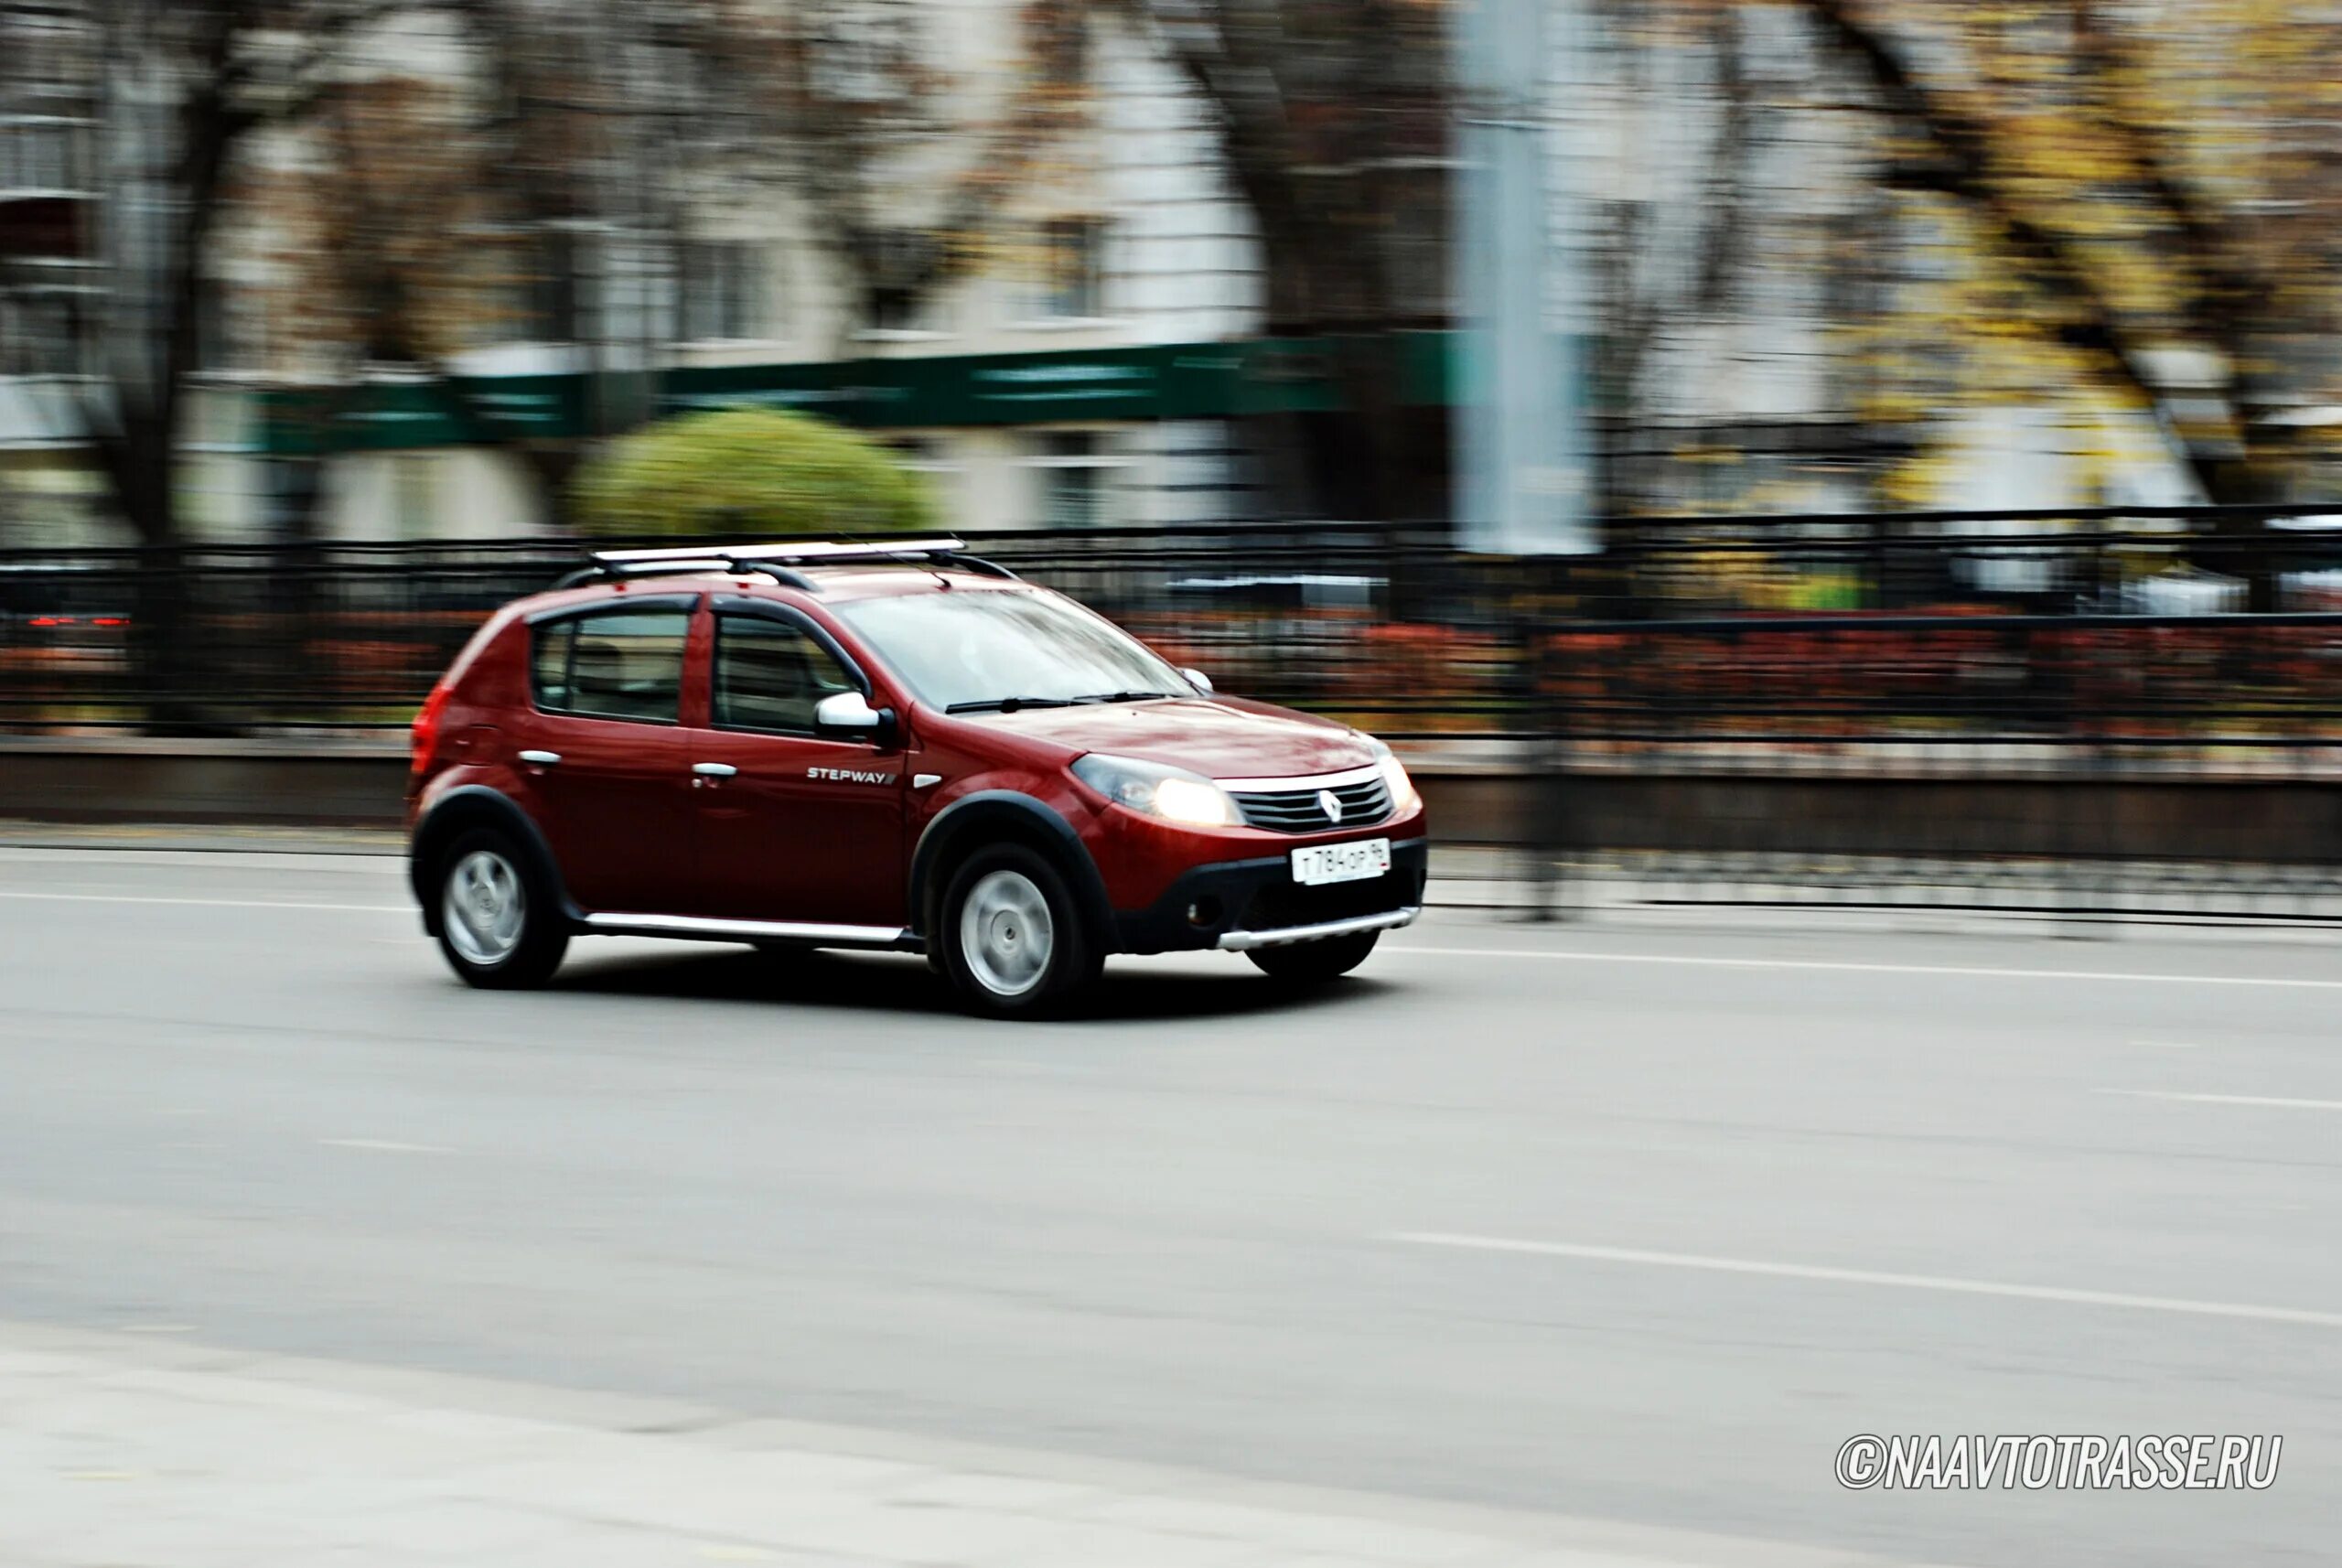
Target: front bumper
1242 904
1245 941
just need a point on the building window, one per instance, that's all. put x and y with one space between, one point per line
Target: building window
503 269
867 53
36 154
723 291
1076 480
218 343
557 309
1056 35
1073 270
415 494
35 338
903 310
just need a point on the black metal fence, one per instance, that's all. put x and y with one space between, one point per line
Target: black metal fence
1690 700
2059 628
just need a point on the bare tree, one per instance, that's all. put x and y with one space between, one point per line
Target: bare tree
184 85
2141 221
905 162
1334 118
1667 252
538 189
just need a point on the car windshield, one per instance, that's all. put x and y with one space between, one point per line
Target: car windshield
1005 648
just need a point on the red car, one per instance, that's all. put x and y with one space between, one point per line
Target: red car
892 746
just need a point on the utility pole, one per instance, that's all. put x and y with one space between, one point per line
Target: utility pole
1522 470
1522 464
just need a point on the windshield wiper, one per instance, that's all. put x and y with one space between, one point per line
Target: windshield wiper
1008 705
1125 697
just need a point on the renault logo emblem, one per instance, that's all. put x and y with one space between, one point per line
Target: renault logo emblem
1332 803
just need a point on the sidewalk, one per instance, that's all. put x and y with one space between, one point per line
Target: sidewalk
153 1453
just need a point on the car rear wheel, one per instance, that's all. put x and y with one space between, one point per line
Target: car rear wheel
1314 964
500 925
1011 937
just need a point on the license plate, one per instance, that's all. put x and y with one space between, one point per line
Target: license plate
1359 862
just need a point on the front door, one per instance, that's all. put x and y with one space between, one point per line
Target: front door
604 757
792 827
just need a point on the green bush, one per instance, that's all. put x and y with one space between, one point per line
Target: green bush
748 470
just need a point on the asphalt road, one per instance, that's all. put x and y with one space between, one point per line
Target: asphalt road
1634 1222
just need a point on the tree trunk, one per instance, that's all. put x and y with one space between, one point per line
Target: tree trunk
2244 546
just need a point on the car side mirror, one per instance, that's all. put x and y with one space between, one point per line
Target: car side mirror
1200 680
849 715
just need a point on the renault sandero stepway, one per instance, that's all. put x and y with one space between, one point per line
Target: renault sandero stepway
895 746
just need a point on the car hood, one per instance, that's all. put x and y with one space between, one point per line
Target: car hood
1220 737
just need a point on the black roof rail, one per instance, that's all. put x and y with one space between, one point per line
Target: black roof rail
778 561
605 573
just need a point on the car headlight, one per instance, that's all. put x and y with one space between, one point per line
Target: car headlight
1394 778
1173 794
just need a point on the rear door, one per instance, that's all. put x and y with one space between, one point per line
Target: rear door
792 827
606 757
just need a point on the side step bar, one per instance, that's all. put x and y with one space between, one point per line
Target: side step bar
896 938
880 938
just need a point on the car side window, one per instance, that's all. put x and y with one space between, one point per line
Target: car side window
549 663
770 674
626 664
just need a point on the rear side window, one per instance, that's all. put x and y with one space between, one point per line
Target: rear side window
549 663
769 675
627 664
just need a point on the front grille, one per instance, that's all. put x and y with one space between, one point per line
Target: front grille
1300 811
1282 905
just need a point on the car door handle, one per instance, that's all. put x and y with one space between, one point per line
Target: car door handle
715 770
541 758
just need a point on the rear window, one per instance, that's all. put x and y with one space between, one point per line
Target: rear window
624 664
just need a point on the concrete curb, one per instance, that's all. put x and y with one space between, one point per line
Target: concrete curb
1480 793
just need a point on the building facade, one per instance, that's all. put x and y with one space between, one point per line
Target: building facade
1035 278
1087 368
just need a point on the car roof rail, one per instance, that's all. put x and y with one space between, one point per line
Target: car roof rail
778 560
682 566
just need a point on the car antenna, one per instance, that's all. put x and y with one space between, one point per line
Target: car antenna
926 563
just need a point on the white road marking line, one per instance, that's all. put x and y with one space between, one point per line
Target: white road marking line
2167 1045
386 1146
2266 1101
1872 1277
1959 971
212 903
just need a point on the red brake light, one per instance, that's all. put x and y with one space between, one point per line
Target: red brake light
52 620
426 725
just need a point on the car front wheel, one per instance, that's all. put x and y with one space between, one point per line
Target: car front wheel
1011 938
1314 964
499 923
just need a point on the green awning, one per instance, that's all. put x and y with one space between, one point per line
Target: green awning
1184 381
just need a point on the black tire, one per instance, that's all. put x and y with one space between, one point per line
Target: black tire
1314 964
1072 956
542 935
